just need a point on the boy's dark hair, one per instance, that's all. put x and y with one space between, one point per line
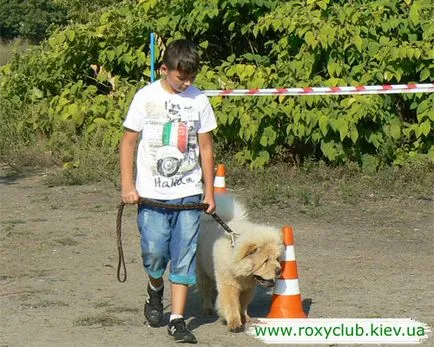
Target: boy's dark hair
182 55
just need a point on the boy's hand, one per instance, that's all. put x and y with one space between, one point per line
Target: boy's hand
211 205
130 196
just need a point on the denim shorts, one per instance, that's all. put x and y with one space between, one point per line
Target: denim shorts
168 234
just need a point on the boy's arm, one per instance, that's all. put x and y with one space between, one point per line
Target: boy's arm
127 149
207 163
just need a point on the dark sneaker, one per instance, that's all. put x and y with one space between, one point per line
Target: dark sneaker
179 331
154 307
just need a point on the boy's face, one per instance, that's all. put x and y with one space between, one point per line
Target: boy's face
177 81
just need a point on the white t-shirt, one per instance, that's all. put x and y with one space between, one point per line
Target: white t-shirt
168 154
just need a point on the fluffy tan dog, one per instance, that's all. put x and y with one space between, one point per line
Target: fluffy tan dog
228 275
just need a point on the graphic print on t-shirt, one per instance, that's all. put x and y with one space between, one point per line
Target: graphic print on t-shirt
177 151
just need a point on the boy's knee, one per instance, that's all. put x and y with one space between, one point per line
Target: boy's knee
154 261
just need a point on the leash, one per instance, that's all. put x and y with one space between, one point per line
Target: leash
144 201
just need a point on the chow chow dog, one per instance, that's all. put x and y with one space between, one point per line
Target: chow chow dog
227 276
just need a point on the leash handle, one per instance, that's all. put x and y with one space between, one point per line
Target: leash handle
121 262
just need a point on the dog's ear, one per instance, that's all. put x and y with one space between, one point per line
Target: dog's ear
241 253
250 249
244 251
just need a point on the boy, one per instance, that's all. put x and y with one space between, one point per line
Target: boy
175 120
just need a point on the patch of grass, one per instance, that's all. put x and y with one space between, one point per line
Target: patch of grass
315 184
15 221
414 179
124 310
40 199
304 196
45 304
25 159
5 53
8 49
39 220
101 320
102 304
88 160
7 228
349 192
69 158
67 242
22 148
10 224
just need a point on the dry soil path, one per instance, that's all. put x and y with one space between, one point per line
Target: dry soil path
59 257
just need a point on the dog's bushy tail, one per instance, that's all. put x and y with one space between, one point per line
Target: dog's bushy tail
228 208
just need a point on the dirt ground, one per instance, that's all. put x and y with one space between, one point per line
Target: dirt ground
59 258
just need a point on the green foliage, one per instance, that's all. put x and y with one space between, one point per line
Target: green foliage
323 43
81 11
29 19
86 74
32 19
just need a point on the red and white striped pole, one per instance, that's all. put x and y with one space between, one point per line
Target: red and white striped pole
378 89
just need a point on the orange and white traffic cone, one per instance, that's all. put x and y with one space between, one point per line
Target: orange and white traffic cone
219 180
286 301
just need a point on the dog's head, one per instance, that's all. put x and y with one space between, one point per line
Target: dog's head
258 257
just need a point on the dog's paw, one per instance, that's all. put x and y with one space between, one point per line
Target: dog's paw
235 325
239 329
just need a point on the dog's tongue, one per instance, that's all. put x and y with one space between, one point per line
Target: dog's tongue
264 282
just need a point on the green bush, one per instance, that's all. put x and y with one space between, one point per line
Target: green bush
29 19
32 19
87 74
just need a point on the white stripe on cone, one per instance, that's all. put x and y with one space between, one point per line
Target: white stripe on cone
219 182
288 254
286 287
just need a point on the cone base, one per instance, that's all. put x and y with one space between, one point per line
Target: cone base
286 306
284 314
